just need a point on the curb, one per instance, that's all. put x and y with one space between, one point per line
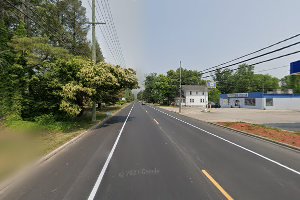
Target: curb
256 136
245 133
10 181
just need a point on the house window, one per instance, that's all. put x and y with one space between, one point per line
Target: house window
269 102
203 93
191 100
197 93
190 92
201 100
250 102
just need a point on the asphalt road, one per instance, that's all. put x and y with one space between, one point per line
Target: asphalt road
285 126
148 153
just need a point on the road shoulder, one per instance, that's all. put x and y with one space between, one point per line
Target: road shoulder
28 169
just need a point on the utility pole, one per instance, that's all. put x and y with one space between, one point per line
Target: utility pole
94 48
180 88
23 8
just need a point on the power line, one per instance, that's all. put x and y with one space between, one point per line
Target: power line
272 45
243 61
106 14
272 68
105 39
109 28
114 28
268 60
109 35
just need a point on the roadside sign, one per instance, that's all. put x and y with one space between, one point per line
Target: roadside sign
237 95
211 84
295 68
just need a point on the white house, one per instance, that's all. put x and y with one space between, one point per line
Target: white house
194 95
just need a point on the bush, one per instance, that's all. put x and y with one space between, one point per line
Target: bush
120 102
45 120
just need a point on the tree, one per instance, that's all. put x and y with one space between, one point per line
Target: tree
21 30
149 92
40 73
99 55
27 78
225 81
244 80
264 83
214 95
140 95
291 82
73 18
164 88
129 95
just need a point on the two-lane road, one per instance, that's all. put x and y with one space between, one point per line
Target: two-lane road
147 153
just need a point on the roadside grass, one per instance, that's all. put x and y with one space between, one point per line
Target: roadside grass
275 134
164 106
22 142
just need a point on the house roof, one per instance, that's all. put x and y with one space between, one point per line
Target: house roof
200 88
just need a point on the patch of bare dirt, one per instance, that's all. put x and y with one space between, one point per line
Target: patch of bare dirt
282 136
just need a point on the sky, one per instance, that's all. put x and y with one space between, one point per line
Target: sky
155 35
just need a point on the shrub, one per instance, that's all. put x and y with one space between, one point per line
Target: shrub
120 102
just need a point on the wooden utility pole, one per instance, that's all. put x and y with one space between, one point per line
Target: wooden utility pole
180 88
94 48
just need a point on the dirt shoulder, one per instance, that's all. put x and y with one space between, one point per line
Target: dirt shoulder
281 136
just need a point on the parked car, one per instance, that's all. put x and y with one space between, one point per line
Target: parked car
215 105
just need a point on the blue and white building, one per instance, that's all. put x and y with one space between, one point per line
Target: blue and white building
259 100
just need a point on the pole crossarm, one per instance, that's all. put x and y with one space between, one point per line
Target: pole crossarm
96 23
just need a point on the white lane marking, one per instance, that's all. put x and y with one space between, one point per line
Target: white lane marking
99 179
156 121
237 145
146 111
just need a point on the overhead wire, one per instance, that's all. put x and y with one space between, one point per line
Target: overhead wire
274 68
108 34
105 36
254 52
115 30
260 62
261 55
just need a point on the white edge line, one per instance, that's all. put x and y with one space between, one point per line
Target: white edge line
237 145
100 177
156 121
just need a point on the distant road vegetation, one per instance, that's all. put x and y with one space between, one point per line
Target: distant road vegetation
163 88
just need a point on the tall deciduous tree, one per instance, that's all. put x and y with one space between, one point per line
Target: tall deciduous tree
244 80
73 18
291 82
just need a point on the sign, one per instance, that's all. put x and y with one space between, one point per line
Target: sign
237 95
211 84
295 68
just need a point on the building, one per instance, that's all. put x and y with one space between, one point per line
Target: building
193 95
258 100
